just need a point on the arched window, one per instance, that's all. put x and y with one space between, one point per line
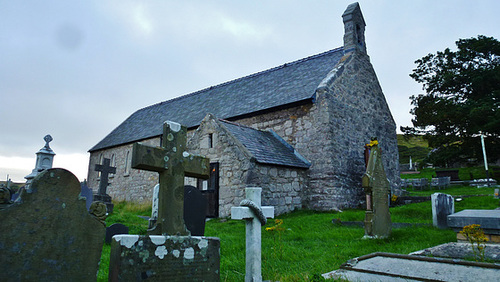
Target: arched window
113 164
101 158
127 163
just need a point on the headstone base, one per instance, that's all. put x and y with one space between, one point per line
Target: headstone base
106 199
164 258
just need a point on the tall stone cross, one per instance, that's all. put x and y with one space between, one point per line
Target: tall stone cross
105 169
172 163
255 216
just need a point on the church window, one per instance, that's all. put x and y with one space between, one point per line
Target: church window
113 164
101 158
210 140
127 162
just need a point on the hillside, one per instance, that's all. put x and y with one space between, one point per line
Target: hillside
413 146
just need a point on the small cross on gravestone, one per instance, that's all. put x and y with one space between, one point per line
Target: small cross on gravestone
172 163
255 217
179 256
105 169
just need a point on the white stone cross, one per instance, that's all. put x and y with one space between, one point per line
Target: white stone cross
253 257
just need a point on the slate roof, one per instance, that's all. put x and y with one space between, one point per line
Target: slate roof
266 147
287 84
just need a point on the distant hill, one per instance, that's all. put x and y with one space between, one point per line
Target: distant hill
413 146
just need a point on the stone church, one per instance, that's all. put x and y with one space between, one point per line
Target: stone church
297 130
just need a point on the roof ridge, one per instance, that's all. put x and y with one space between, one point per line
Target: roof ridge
244 77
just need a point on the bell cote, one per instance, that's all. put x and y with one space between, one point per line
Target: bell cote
354 29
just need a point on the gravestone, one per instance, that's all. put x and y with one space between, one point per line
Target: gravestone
195 209
377 189
5 195
50 235
87 193
442 206
115 229
44 160
168 253
250 209
105 169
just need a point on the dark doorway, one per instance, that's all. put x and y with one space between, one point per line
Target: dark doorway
210 188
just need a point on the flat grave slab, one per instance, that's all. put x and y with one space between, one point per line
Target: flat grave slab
489 221
396 267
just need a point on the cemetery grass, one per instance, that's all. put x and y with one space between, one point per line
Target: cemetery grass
454 190
310 243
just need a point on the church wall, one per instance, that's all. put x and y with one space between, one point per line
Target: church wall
234 164
350 109
127 184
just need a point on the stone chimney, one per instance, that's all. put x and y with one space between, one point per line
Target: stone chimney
354 29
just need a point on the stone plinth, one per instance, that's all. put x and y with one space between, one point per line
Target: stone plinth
489 221
164 258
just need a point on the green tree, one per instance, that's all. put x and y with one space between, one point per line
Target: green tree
462 99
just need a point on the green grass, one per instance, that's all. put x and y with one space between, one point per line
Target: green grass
464 173
454 190
311 244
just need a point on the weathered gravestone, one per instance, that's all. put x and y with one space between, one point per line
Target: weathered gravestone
48 235
496 193
442 206
195 206
87 193
255 216
178 257
377 189
105 169
115 229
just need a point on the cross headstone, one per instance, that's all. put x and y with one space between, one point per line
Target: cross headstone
172 163
50 235
105 169
442 206
168 258
253 257
377 189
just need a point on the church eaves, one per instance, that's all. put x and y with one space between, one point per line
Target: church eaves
289 84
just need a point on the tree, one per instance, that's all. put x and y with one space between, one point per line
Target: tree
462 99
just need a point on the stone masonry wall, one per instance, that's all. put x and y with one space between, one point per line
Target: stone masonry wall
234 163
127 184
349 109
282 187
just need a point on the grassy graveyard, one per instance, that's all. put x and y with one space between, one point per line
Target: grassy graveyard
301 245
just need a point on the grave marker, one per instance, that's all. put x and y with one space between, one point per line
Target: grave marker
44 160
255 216
442 206
87 193
161 257
377 189
172 163
50 235
105 169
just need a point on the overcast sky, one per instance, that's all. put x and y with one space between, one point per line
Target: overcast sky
77 69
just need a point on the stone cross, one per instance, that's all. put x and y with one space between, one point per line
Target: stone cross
172 163
253 257
105 170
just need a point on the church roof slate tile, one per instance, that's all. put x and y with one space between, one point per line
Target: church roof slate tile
287 84
266 147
